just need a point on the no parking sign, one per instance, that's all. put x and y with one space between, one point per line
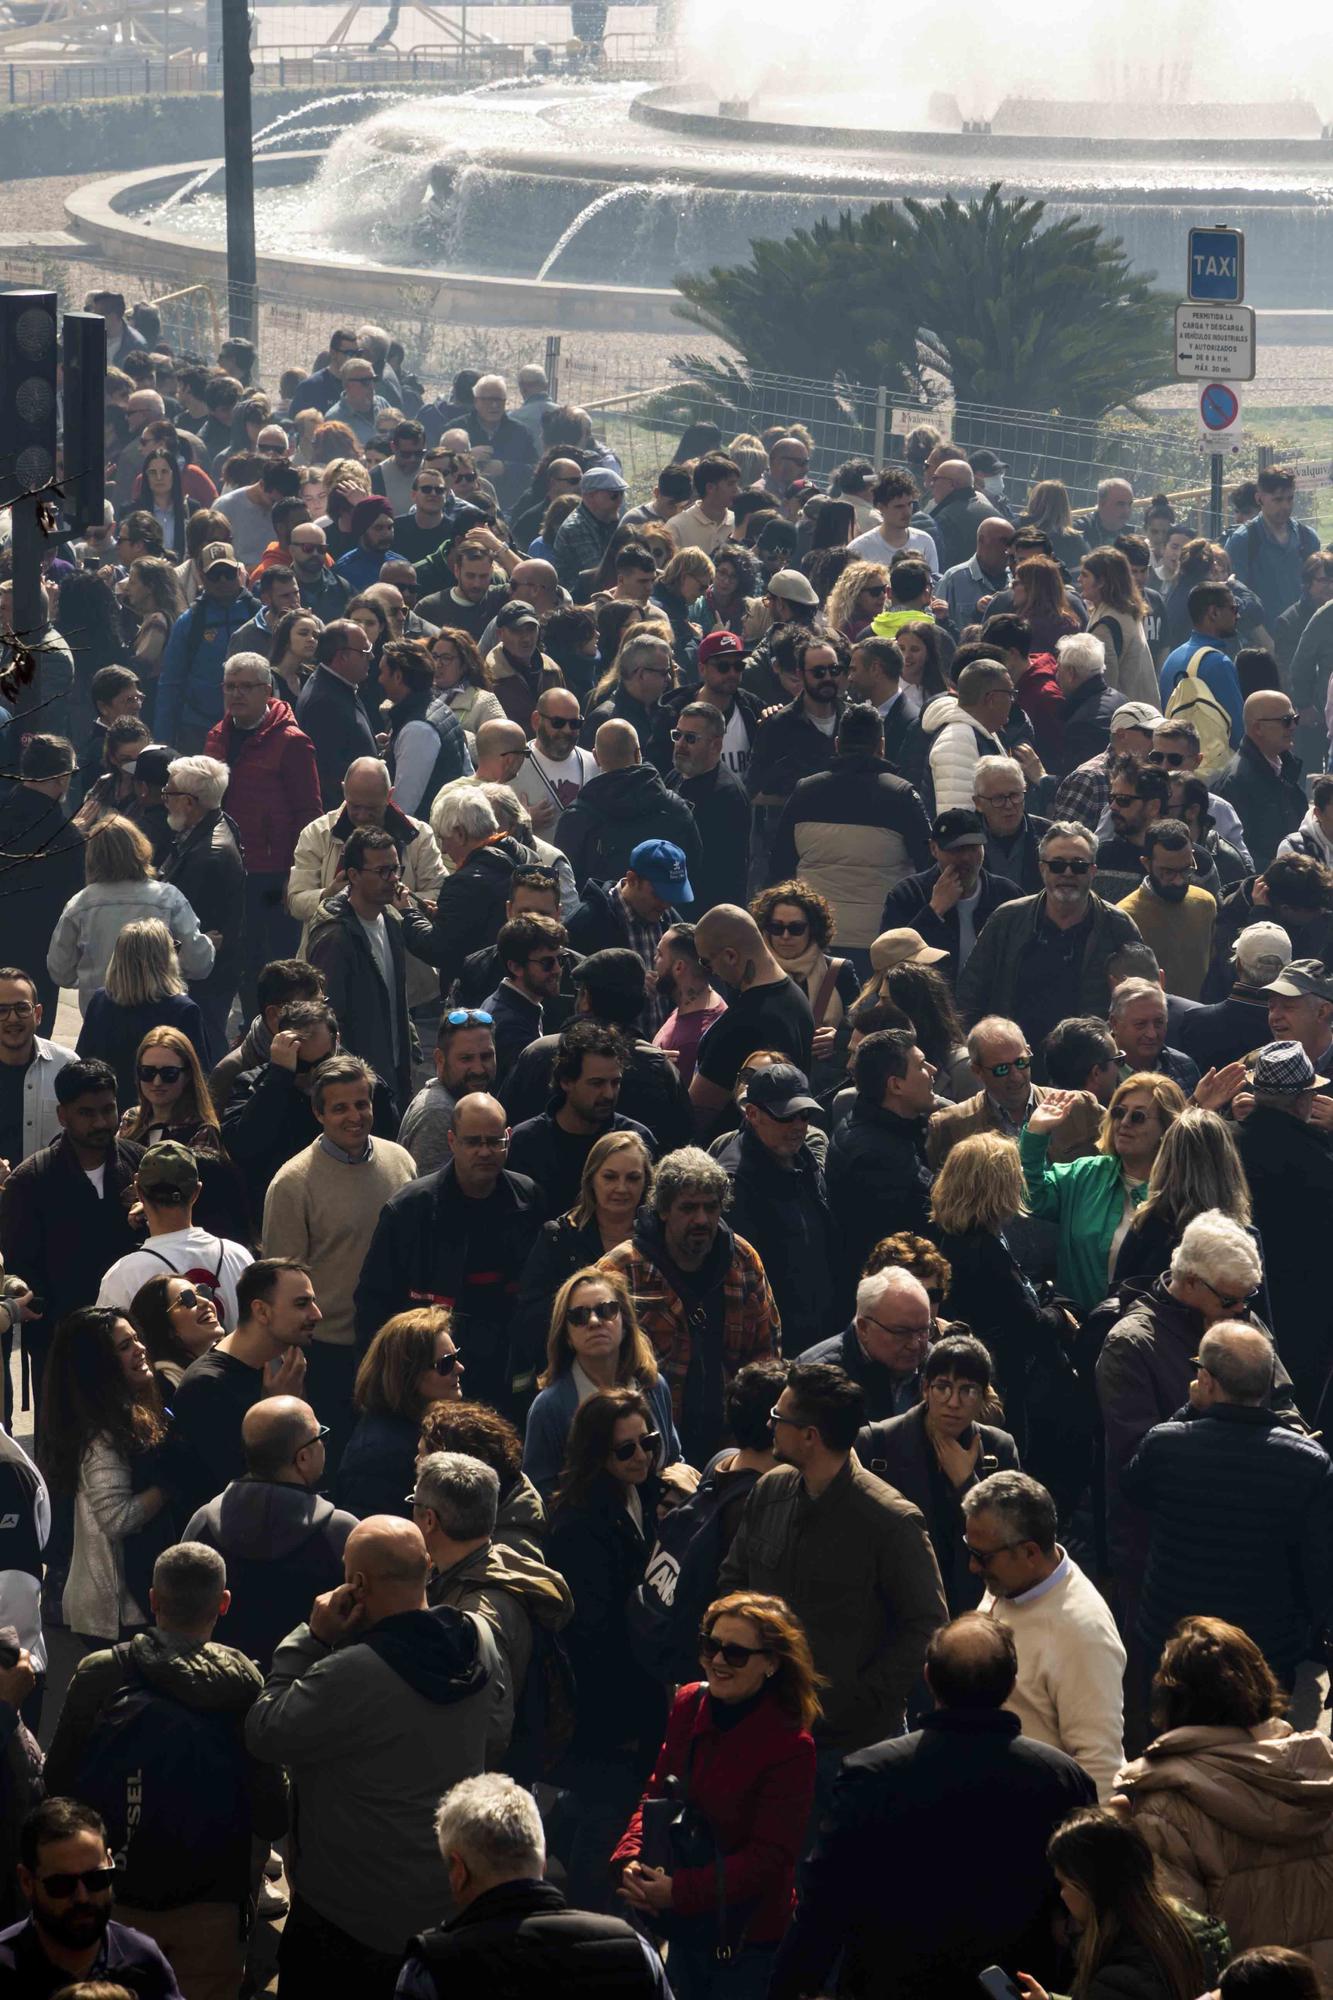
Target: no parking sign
1220 425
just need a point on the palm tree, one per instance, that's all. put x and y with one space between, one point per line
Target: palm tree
1012 313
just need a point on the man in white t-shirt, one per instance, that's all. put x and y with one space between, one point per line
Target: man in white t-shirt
895 498
167 1184
555 770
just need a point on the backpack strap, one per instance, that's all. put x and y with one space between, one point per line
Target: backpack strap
827 986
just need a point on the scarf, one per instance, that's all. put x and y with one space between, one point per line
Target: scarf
809 972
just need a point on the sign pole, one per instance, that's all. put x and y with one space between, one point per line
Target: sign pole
1215 497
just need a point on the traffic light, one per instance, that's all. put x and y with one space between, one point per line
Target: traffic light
83 405
27 392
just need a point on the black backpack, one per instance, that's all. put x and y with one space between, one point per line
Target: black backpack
680 1582
544 1712
169 1781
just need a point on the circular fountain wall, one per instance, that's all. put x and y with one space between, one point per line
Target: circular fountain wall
565 193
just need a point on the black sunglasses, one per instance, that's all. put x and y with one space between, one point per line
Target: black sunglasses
62 1887
1059 865
161 1072
1171 759
446 1364
775 929
647 1444
318 1438
730 1654
604 1311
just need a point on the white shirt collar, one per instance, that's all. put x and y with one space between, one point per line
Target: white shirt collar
1060 1574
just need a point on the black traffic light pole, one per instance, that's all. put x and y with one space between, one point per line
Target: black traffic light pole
242 303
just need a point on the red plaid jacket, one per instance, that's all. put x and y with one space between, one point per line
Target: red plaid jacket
751 1327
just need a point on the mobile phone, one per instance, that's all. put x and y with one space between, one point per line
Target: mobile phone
998 1984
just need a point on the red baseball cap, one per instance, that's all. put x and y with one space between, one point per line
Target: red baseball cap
719 642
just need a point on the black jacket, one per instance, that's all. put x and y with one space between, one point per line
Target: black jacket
596 924
898 1450
283 1545
207 866
652 726
954 522
749 706
1240 1527
554 1159
470 905
524 1938
268 1120
1018 863
722 817
516 1020
420 1255
1227 1030
651 1092
59 1234
785 1214
885 1394
909 905
561 1249
1237 910
1289 1166
330 712
1270 805
339 947
878 1183
36 888
613 813
788 748
968 1785
989 1292
1088 712
619 1709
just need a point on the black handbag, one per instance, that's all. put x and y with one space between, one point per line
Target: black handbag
677 1834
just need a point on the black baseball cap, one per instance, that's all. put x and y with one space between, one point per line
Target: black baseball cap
781 1089
958 827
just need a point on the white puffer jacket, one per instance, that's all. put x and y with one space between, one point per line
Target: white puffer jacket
958 745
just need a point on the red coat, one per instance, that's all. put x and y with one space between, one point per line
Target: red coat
755 1783
1037 692
274 789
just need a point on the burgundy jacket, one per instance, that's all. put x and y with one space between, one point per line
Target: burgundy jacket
755 1784
274 789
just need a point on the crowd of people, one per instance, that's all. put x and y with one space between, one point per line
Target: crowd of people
670 1299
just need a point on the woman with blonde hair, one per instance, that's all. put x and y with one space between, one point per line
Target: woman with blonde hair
686 577
617 1179
747 453
595 1344
153 593
1116 614
411 1363
738 1744
856 599
121 887
1197 1168
143 990
1233 1801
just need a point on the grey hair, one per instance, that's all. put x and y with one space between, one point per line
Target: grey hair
1083 653
1104 485
994 767
988 1025
467 811
1022 1505
339 1069
637 648
462 1493
1130 990
494 1825
188 1581
254 663
1068 829
1215 1247
876 1285
689 1169
507 806
205 777
703 711
490 382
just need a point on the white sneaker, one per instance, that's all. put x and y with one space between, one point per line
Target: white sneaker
272 1902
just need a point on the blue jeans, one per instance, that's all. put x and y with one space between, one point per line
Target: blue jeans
694 1973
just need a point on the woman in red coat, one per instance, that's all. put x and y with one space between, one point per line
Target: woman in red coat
739 1753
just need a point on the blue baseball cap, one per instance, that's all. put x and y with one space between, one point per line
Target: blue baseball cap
663 864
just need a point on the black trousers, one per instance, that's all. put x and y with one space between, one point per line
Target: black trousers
317 1960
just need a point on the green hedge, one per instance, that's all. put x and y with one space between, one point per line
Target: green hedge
95 135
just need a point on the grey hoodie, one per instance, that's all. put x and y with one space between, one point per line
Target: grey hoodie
373 1734
283 1546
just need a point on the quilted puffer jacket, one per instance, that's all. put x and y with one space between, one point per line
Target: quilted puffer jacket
1241 1821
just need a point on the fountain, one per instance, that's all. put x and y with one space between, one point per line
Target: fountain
603 191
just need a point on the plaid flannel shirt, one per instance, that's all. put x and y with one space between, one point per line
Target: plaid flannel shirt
751 1327
1084 793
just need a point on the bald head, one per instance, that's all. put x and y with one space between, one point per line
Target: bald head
536 583
499 739
273 1432
616 746
971 1663
1266 724
385 1558
727 927
953 475
1239 1359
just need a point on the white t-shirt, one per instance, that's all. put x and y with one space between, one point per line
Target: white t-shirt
191 1253
97 1175
736 743
539 782
874 548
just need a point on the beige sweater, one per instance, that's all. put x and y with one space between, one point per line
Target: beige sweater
324 1212
1071 1668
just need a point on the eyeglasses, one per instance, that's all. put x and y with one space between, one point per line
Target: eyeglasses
787 930
21 1010
1060 865
389 868
647 1444
1171 759
318 1438
170 792
243 687
898 1332
601 1312
445 1364
686 736
1228 1299
1126 799
482 1142
161 1072
545 960
94 1880
1003 1069
1122 1114
1282 721
983 1558
1002 799
945 1390
470 1017
723 1649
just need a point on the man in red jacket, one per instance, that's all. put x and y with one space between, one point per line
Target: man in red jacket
274 792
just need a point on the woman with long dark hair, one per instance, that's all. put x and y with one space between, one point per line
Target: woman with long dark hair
1039 596
601 1529
1132 1938
295 639
177 1321
1048 509
738 1742
102 1424
924 674
926 1000
159 489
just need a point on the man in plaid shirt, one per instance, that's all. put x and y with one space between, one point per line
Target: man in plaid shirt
584 535
1084 793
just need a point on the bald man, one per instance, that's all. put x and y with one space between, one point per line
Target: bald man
1239 1509
377 1706
1263 780
956 511
766 1010
968 584
627 802
282 1541
898 1805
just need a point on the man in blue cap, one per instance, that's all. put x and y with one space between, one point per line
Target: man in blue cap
653 892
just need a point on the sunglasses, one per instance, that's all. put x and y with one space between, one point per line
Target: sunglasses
445 1364
1282 721
647 1444
775 929
470 1017
823 673
190 1299
1170 759
876 590
562 721
1061 866
685 736
161 1072
61 1887
600 1314
1003 1069
730 1655
1120 1113
432 492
